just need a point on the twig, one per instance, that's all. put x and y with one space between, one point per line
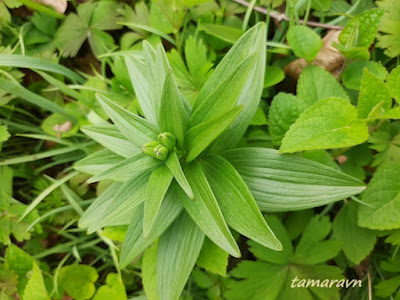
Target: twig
283 17
369 285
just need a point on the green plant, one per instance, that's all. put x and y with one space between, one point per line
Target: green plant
178 175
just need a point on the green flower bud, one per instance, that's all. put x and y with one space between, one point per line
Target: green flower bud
148 148
161 152
168 140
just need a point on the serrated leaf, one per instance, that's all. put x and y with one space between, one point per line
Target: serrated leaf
4 135
390 28
304 41
357 242
329 123
156 188
113 289
237 203
353 73
383 194
387 287
201 136
178 250
134 242
284 111
35 289
174 166
138 130
110 137
372 92
362 29
213 258
127 168
205 210
311 249
173 117
284 182
71 35
386 141
316 84
78 281
98 162
18 260
393 83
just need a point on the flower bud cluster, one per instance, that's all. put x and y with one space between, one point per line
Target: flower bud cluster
161 148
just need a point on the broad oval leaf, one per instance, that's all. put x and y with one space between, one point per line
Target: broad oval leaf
304 41
287 182
237 204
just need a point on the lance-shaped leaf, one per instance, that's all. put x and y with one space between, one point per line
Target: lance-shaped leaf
91 215
287 182
237 204
138 130
156 188
98 162
147 77
126 168
175 167
201 136
126 198
178 250
111 138
134 242
329 123
205 211
173 117
252 42
225 95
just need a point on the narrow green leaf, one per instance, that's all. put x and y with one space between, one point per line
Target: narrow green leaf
252 42
287 182
91 214
149 272
126 168
304 41
122 203
237 204
151 30
134 242
138 130
98 162
201 136
329 123
226 33
224 95
178 250
173 117
156 188
47 192
18 90
175 167
372 92
205 211
110 137
21 61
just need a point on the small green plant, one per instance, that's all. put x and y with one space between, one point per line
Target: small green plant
177 174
